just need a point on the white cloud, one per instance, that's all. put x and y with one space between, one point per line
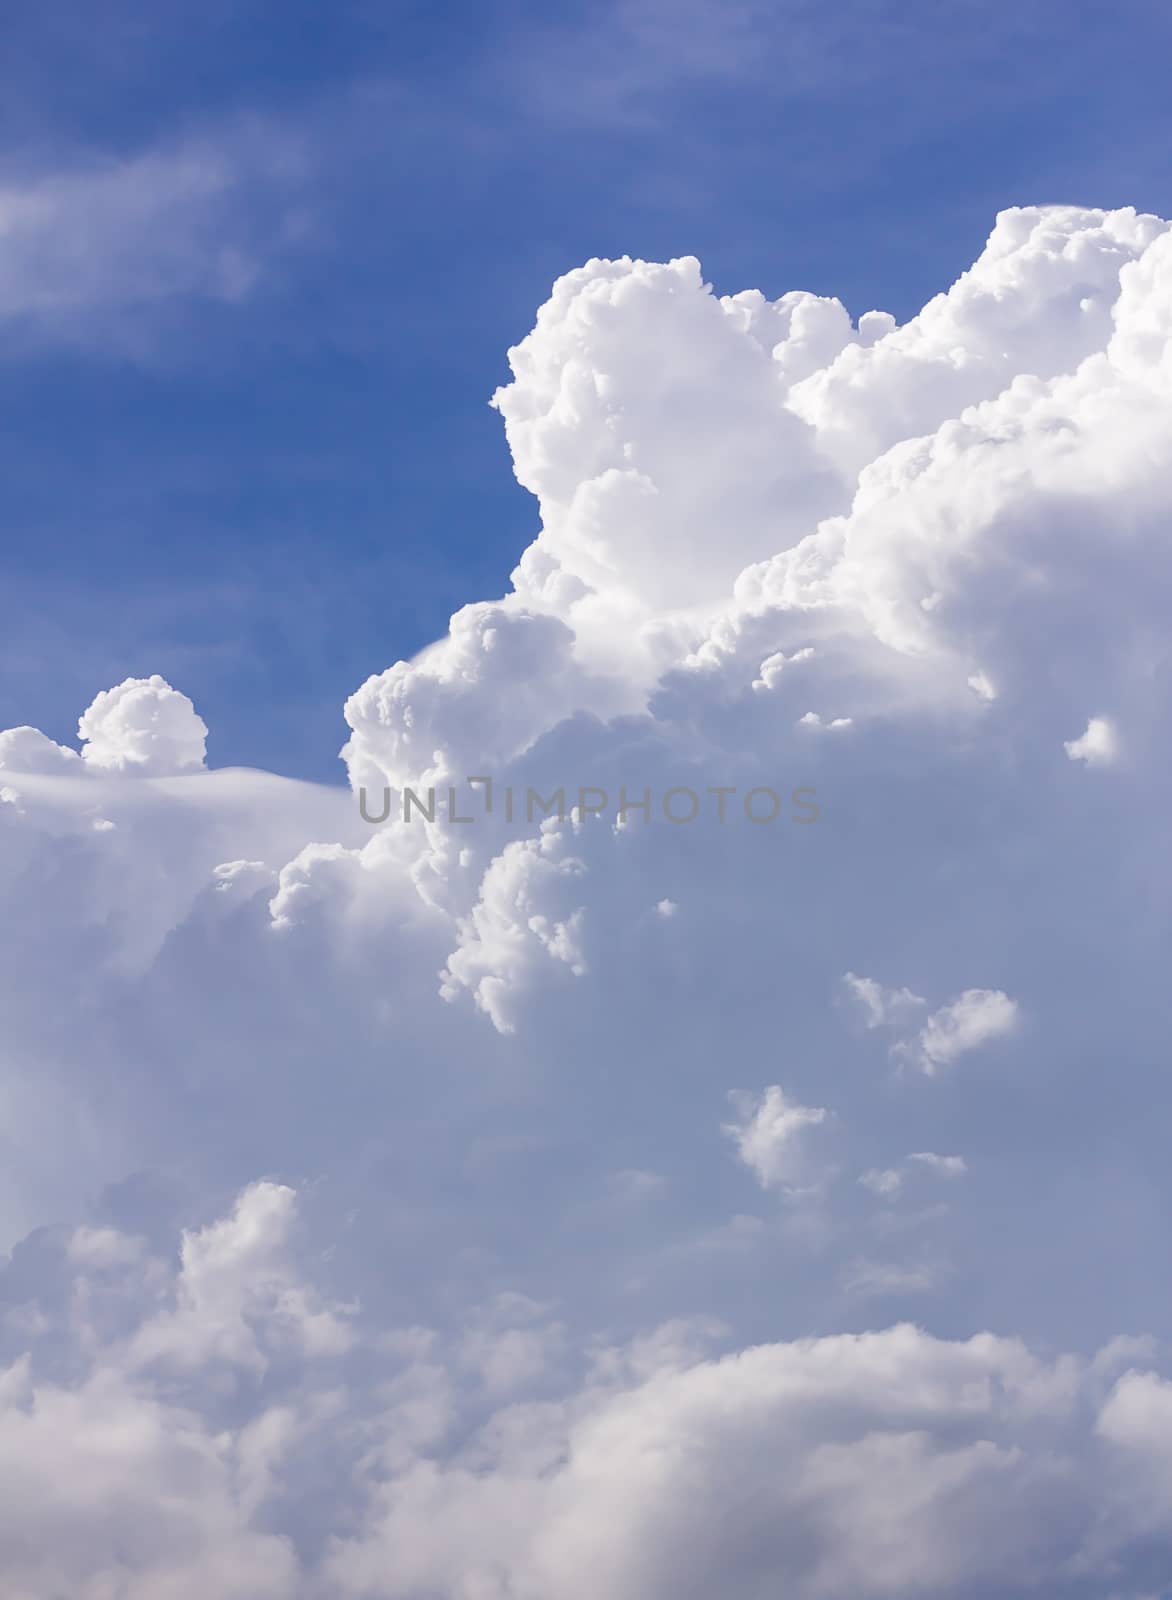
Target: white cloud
28 750
882 1007
887 1182
526 912
1098 746
973 1451
973 1019
235 1280
144 726
769 1136
82 247
883 1181
942 1166
466 1356
483 1460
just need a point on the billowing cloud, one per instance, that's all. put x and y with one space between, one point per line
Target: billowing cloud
400 1461
368 1164
29 750
143 726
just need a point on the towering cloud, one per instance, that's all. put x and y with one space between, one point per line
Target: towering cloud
378 1222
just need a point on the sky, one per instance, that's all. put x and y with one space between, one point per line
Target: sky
265 266
584 776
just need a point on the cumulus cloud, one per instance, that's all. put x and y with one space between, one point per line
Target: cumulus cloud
371 1220
29 750
233 1281
144 726
997 1465
136 1470
768 1134
525 915
971 1020
1097 747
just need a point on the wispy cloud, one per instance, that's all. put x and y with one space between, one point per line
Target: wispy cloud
620 64
84 244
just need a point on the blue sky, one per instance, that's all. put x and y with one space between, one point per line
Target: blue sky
246 438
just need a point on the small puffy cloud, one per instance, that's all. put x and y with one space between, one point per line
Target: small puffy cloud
143 726
975 1018
29 750
875 325
971 1020
1097 747
768 1134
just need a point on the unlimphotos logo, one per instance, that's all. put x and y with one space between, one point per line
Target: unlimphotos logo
720 803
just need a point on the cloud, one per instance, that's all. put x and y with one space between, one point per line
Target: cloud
145 726
86 245
971 1020
882 1181
1097 747
615 70
115 1477
372 1230
483 1457
942 1166
29 750
882 1007
887 1182
525 915
768 1134
234 1282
